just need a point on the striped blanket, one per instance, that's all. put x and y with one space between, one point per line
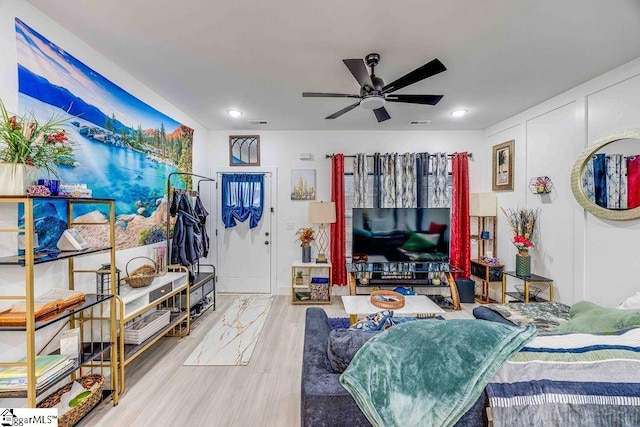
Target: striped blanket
570 380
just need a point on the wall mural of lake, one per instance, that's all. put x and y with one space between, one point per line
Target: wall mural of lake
124 148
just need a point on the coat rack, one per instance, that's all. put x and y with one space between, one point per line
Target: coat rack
170 191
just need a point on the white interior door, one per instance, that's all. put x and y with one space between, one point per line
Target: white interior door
244 254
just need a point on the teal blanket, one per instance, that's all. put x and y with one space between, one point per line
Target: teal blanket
429 373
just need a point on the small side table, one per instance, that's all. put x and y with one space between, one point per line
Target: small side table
488 274
304 293
527 280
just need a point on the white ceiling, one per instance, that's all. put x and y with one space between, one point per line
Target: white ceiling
206 56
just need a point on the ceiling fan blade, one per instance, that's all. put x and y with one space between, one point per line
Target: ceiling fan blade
415 99
381 114
427 70
359 71
344 110
327 95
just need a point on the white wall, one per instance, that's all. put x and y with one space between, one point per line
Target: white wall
588 257
280 150
52 274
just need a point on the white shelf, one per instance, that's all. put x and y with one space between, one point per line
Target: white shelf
137 301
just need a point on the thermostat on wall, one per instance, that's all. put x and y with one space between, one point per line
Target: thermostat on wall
72 240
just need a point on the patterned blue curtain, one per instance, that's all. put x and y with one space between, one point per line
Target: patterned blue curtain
242 198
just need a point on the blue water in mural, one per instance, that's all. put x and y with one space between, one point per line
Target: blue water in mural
128 176
132 178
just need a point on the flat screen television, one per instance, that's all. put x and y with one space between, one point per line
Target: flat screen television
401 234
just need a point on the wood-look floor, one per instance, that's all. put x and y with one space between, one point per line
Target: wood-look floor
161 392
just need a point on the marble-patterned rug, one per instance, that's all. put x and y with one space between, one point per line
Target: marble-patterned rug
232 340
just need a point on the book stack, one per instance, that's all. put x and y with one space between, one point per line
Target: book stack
44 306
49 369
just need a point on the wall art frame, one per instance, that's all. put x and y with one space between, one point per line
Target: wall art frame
303 184
244 150
502 166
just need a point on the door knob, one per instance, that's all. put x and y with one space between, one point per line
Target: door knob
266 242
266 234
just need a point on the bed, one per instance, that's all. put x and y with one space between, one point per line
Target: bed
582 369
570 379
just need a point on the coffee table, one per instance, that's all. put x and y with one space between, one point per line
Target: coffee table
414 306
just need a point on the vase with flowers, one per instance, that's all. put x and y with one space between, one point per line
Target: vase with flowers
523 225
305 237
29 147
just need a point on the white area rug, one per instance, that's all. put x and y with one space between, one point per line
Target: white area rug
233 338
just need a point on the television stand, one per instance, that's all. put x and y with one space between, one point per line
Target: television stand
405 274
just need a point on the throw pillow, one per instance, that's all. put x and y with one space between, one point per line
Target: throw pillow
344 344
631 303
587 317
436 228
418 242
373 322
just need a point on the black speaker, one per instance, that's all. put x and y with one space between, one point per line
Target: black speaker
466 290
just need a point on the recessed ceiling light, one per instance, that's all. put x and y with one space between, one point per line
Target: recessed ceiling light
458 113
234 113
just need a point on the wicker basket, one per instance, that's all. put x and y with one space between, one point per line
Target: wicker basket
74 415
387 299
141 276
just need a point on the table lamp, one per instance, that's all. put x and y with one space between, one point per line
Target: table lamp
322 213
482 204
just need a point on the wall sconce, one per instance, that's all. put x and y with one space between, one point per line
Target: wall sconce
540 185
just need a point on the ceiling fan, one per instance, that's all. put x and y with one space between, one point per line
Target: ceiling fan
374 94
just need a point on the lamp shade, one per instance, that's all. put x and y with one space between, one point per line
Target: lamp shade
482 204
322 212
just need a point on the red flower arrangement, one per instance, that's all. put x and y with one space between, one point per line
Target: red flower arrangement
523 224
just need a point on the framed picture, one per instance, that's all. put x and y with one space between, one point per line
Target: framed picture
502 170
303 184
244 150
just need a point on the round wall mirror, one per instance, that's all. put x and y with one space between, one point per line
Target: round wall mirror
605 178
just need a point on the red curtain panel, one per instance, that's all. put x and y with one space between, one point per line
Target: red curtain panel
633 181
338 253
460 233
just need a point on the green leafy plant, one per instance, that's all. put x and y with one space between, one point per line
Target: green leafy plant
24 140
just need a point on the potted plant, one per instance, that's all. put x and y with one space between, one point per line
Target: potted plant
27 146
305 237
299 279
523 223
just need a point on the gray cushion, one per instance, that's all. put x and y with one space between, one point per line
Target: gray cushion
344 344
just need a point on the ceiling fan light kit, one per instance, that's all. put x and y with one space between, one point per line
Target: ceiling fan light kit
372 102
374 94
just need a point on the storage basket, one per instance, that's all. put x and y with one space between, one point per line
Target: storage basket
319 291
75 414
141 276
142 329
389 300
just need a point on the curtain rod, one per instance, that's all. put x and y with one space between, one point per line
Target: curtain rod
328 156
